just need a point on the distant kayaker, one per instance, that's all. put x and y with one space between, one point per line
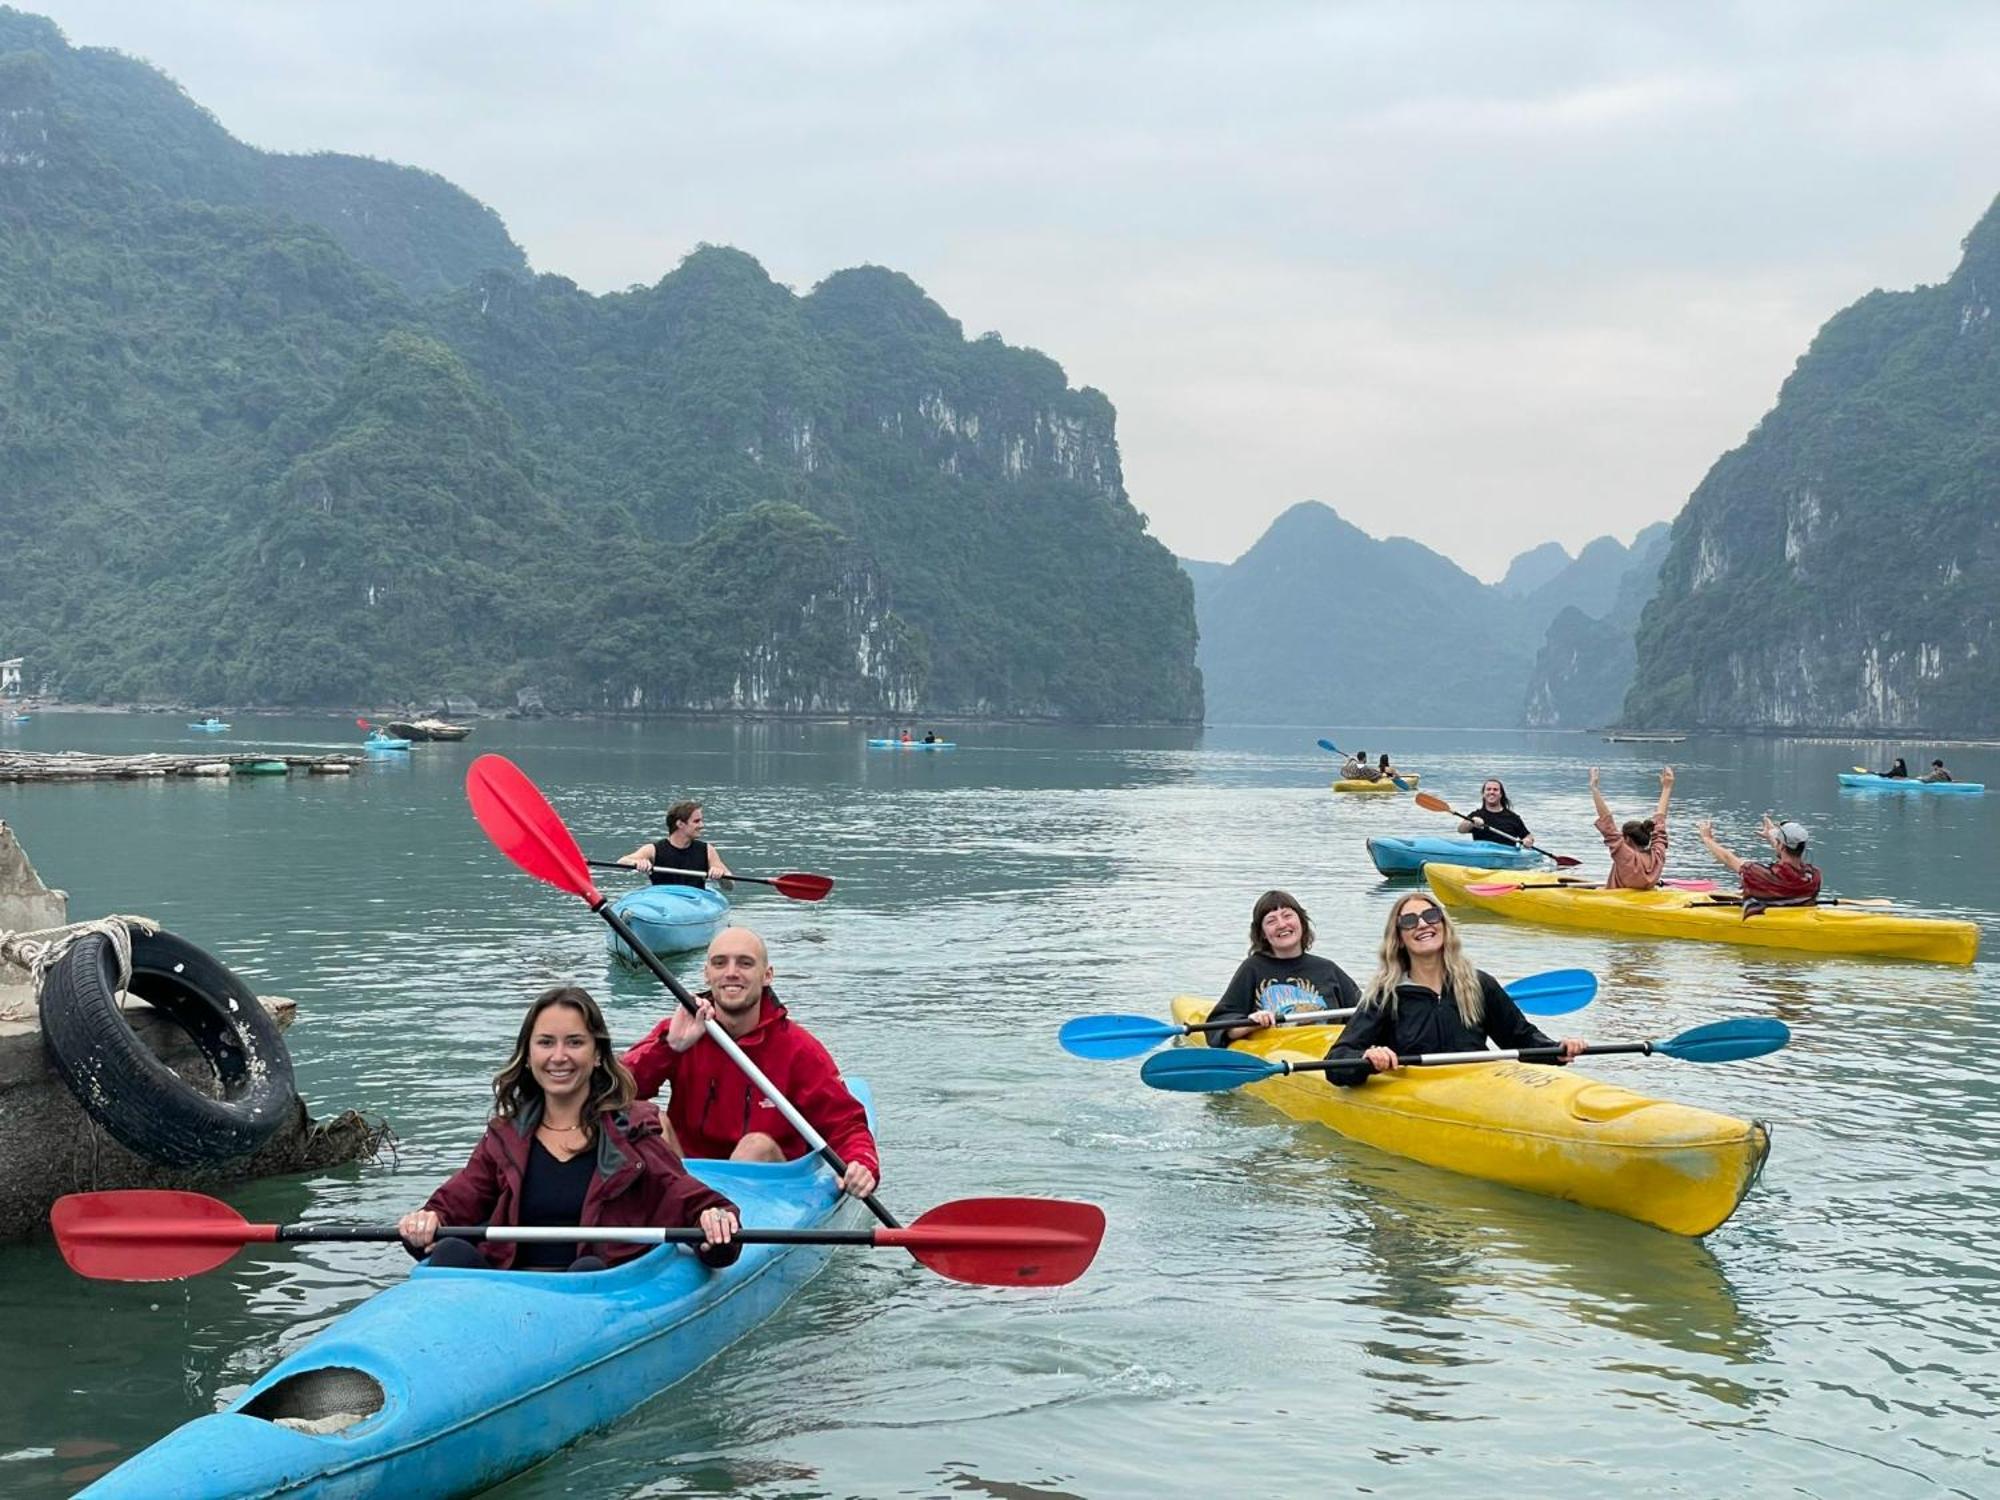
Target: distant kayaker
905 736
930 737
681 850
1279 976
1786 880
1639 847
1385 771
567 1144
1496 822
1937 772
1427 997
713 1109
1900 771
1356 767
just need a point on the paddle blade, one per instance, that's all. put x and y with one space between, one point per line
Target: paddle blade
361 724
1727 1041
1205 1070
1563 861
1556 993
1103 1038
1497 887
1004 1241
803 887
1329 747
149 1234
518 819
1432 802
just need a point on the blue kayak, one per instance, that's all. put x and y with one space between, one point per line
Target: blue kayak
210 726
1873 783
384 742
448 1383
668 918
1407 856
911 745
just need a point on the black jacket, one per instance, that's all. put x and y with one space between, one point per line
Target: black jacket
1425 1021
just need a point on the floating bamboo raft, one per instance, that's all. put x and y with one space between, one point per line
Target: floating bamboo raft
81 765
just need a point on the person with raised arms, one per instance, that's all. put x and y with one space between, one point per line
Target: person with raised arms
1786 880
1279 976
568 1144
713 1109
1427 997
1638 847
682 857
1496 822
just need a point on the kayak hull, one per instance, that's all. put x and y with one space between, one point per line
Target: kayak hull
668 919
912 745
1394 856
376 743
1379 788
477 1375
1551 1131
1686 914
1871 783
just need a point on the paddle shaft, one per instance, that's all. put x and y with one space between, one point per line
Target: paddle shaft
1294 1018
1453 1059
919 1236
727 1043
777 883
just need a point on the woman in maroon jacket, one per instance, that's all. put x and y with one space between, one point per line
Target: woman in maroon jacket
567 1144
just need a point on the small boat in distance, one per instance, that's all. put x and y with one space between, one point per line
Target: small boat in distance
210 726
429 729
377 740
1644 739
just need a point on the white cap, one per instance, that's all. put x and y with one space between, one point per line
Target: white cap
1793 834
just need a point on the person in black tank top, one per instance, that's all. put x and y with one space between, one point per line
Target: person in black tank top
1496 822
682 857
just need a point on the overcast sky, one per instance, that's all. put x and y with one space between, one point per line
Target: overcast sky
1480 274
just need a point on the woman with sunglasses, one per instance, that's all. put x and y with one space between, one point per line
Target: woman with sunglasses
1427 997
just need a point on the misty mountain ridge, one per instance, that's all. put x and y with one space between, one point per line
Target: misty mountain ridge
1307 625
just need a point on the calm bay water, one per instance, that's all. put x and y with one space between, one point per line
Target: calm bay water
1274 1310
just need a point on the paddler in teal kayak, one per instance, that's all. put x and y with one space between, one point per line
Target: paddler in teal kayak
1937 772
681 850
1496 822
1279 976
567 1144
714 1110
1638 847
1427 997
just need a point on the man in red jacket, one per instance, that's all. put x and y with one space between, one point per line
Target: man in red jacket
713 1109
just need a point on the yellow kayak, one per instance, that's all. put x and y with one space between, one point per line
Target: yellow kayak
1410 779
1547 1130
1687 914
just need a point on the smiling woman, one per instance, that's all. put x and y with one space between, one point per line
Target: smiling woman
1279 976
566 1145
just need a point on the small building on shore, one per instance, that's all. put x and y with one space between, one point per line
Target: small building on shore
10 676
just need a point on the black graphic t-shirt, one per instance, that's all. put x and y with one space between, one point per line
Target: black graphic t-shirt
1281 986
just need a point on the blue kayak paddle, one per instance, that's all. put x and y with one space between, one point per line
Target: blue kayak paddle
1332 749
1213 1071
1110 1037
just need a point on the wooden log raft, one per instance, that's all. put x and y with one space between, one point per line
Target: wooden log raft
81 765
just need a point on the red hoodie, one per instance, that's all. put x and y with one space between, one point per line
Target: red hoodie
636 1182
713 1106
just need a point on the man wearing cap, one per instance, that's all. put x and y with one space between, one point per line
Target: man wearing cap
1785 881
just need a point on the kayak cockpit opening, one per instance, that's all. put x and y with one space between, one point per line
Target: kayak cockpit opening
330 1399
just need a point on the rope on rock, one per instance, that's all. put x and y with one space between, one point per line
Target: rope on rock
37 951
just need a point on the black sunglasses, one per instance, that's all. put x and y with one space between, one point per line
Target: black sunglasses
1430 916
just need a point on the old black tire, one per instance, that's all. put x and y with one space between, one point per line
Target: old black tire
142 1102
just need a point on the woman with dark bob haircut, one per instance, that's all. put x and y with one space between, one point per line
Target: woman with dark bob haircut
568 1144
1279 976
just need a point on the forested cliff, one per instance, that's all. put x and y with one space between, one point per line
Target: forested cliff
306 430
1841 569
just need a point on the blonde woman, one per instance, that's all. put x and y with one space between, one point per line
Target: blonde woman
1427 997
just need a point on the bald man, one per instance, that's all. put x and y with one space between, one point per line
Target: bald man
713 1110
